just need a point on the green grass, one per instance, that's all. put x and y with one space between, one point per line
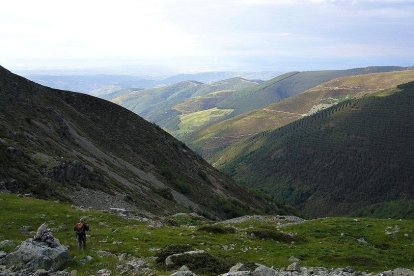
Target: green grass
195 120
330 242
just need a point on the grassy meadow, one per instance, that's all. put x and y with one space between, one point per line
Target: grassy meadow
330 242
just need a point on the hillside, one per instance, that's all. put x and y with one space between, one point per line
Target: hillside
288 85
353 158
171 106
78 148
186 107
117 244
211 140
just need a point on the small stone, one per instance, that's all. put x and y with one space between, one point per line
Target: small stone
168 261
103 272
293 259
238 267
362 241
293 267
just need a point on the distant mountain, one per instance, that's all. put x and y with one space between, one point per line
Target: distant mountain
183 107
356 157
78 148
92 84
101 84
288 85
211 140
209 77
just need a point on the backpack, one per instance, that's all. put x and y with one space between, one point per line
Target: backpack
79 228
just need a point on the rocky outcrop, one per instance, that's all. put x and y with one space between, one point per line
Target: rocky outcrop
42 252
169 261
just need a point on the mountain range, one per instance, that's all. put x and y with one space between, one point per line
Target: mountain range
101 84
94 153
210 116
212 139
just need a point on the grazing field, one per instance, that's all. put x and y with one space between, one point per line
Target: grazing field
366 244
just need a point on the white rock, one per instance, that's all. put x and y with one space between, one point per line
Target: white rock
262 270
238 267
103 272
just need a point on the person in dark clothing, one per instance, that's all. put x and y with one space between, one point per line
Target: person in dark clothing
80 228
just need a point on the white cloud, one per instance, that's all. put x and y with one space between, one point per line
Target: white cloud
185 33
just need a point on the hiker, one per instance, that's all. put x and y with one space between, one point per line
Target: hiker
80 228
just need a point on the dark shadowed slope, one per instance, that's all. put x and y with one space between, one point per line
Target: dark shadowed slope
95 153
354 158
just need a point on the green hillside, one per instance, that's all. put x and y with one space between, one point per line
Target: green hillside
211 140
353 158
171 106
78 148
114 241
167 105
288 85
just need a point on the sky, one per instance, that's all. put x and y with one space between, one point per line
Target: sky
157 36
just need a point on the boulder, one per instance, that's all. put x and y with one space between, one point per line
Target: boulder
262 270
169 260
293 267
184 271
238 267
402 272
33 255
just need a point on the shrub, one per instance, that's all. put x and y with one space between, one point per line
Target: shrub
202 263
275 235
170 250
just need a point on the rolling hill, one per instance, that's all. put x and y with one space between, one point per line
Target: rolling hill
356 157
184 108
81 149
171 106
211 140
288 85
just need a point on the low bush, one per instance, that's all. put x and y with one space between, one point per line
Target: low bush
170 250
203 263
268 234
